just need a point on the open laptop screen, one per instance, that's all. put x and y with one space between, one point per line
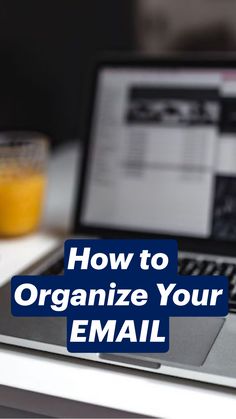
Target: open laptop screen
163 152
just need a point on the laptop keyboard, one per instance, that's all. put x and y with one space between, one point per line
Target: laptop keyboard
186 266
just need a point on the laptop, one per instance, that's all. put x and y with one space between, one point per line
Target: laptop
159 161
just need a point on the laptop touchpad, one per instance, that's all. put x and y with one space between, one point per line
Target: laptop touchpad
191 339
190 342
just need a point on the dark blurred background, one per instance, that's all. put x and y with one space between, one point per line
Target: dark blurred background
46 47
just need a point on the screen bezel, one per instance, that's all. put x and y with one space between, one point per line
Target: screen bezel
185 243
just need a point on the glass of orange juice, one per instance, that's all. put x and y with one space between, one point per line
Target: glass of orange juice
23 160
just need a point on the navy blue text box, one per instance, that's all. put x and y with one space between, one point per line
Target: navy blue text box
126 346
168 247
187 296
178 304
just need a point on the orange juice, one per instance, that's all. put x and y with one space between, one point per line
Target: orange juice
21 198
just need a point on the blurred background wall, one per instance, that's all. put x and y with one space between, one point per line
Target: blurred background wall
186 25
46 45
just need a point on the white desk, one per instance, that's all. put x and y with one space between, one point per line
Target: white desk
76 384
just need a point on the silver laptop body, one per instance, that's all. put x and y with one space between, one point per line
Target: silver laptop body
159 161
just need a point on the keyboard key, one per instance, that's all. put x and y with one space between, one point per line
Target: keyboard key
189 267
229 271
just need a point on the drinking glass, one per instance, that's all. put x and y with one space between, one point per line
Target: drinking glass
23 161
